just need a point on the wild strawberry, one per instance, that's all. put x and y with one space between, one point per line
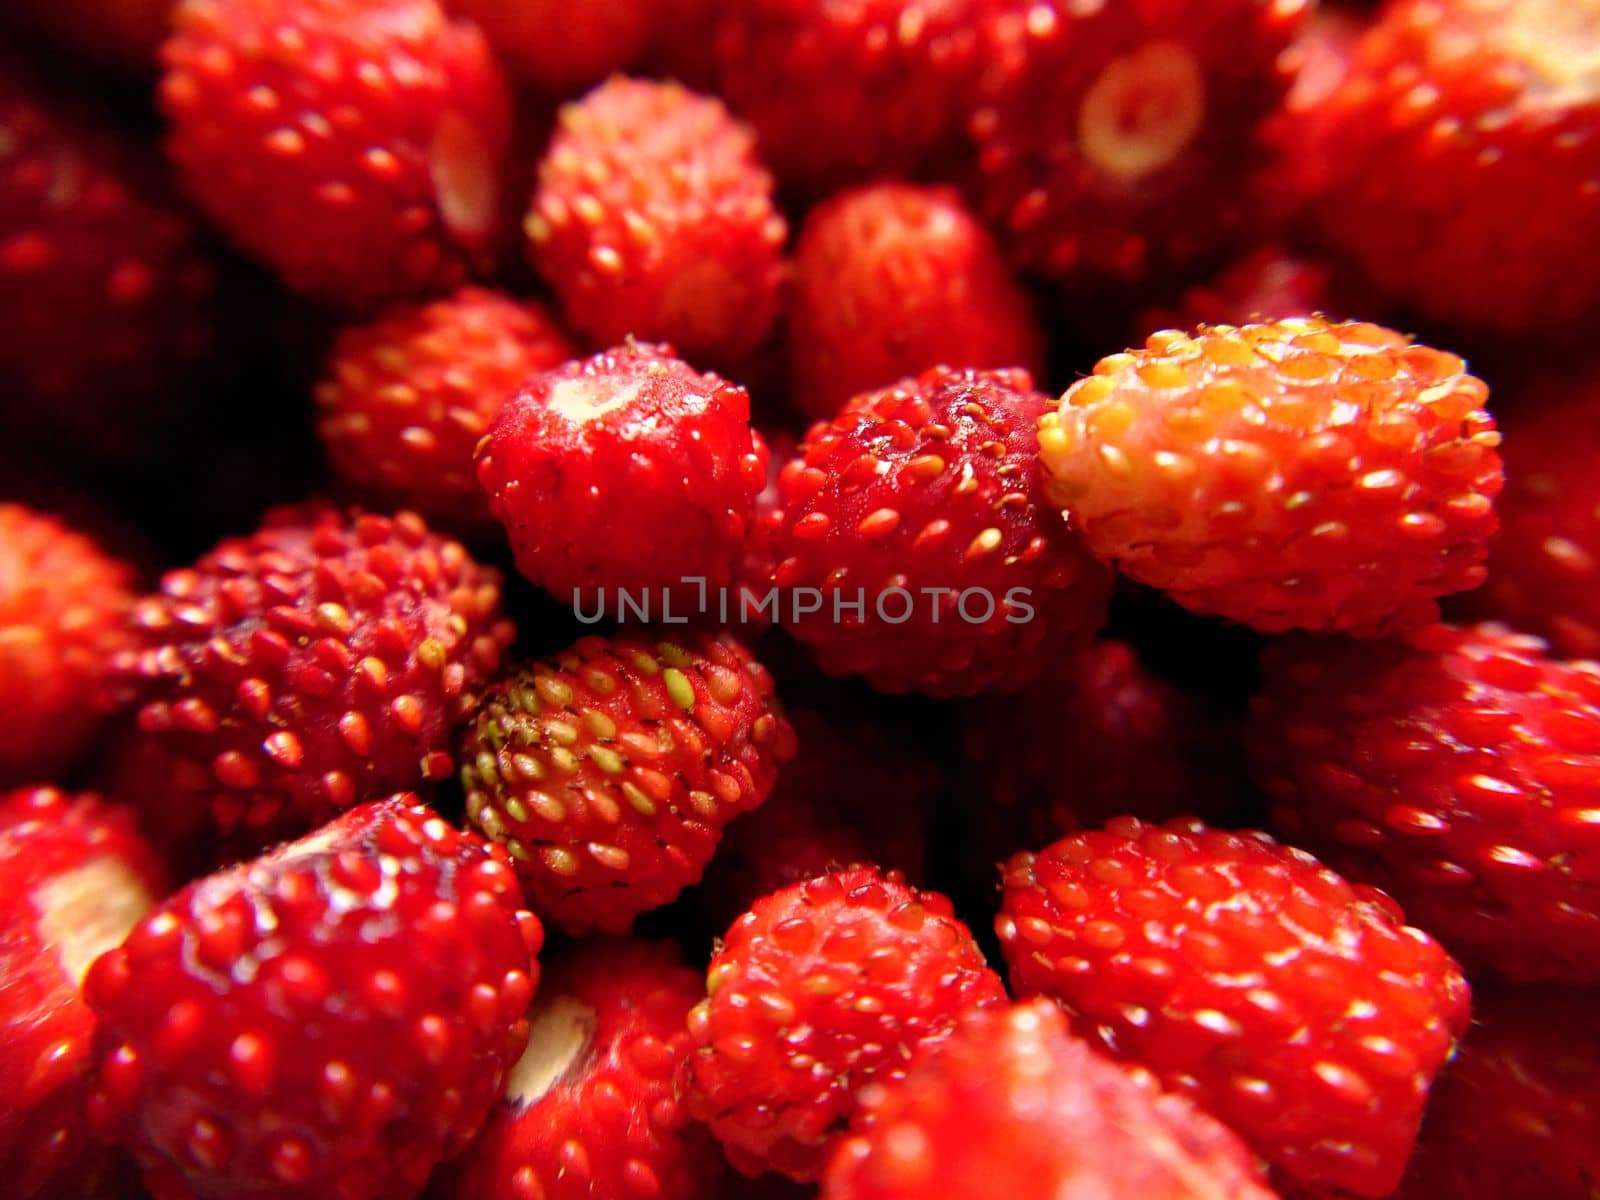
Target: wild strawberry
557 46
354 146
1299 474
625 474
609 770
839 92
892 279
1113 138
1011 1104
1456 121
405 400
592 1109
74 878
330 1019
122 33
653 218
816 991
90 239
313 664
1454 768
1515 1114
914 548
1544 564
63 601
1268 284
1292 1006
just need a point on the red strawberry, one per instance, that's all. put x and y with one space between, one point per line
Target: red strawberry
559 46
405 400
90 240
843 91
592 1110
1455 163
1268 284
1544 564
1013 1105
1515 1115
328 1020
313 664
816 991
1114 138
892 279
609 770
653 218
921 504
1455 768
1299 474
354 146
1250 978
62 604
74 878
623 475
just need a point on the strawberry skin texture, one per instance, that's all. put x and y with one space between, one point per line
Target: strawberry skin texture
609 771
1515 1115
63 602
75 876
313 664
354 146
933 483
1116 138
1457 120
592 1110
816 991
1455 769
891 279
1291 1005
558 46
653 218
1011 1104
404 401
847 89
1300 474
330 1019
627 472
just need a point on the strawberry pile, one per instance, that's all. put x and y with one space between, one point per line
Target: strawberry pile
799 600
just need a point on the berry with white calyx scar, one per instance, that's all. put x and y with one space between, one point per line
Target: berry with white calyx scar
356 147
75 876
1291 1005
1298 474
815 992
609 770
331 1019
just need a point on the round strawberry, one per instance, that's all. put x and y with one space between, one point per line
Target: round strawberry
1299 474
892 279
841 91
1515 1115
559 46
816 991
609 770
1114 138
354 146
1455 164
1456 769
405 400
105 289
1011 1104
74 878
592 1108
315 663
62 605
1292 1006
625 475
653 218
915 549
1268 284
331 1019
